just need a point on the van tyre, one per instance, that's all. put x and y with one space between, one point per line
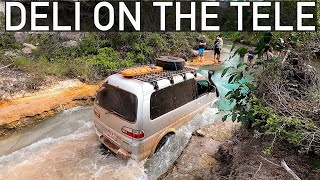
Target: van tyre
162 142
170 63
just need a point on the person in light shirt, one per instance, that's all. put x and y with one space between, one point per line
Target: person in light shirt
219 37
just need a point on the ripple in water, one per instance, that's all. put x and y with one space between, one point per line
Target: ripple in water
79 155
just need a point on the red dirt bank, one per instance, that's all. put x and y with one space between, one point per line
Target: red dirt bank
25 111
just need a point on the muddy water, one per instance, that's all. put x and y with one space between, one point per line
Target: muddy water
66 147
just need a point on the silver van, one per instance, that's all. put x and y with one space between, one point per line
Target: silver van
134 116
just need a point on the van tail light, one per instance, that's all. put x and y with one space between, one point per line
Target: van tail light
96 112
138 134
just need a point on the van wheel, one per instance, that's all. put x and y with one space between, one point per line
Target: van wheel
170 63
162 142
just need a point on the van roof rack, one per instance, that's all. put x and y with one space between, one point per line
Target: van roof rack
165 74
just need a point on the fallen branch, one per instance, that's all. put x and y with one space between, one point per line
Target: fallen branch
270 161
257 170
285 166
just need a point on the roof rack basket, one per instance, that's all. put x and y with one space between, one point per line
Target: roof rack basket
165 74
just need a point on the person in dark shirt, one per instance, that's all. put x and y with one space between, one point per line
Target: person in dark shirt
217 49
267 52
202 46
250 57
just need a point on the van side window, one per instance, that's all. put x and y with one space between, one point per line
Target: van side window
161 102
203 87
184 92
172 97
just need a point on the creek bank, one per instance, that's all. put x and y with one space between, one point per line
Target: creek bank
28 110
222 151
198 158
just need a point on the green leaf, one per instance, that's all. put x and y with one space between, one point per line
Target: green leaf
234 116
230 92
243 51
236 52
224 72
240 65
231 78
233 46
224 118
242 119
239 77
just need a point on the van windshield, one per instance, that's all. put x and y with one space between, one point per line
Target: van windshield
118 101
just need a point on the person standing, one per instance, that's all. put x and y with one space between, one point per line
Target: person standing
202 46
219 37
267 52
250 57
217 49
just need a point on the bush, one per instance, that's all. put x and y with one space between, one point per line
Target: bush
282 103
101 53
7 41
2 21
35 82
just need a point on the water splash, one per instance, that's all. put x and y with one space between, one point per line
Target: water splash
66 147
79 155
167 155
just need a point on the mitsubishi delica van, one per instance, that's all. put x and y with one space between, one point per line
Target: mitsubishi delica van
134 116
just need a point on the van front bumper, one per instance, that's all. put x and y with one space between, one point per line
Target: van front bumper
113 146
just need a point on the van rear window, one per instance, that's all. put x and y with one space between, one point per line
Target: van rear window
118 101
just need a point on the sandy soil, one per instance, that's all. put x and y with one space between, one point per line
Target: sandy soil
208 59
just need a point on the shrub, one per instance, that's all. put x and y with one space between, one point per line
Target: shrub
99 54
7 41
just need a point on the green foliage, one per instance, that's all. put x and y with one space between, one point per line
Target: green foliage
39 39
249 111
240 95
99 54
20 62
316 165
2 21
290 129
90 45
7 41
106 58
241 51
